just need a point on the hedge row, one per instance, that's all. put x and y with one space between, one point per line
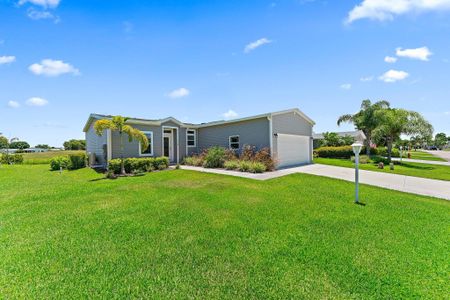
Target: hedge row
68 162
347 152
139 165
11 159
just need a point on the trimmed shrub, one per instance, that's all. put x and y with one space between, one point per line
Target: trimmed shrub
59 162
77 161
382 151
257 167
161 163
139 165
214 158
114 166
231 164
244 166
334 152
11 159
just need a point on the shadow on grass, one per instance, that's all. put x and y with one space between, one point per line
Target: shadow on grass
410 166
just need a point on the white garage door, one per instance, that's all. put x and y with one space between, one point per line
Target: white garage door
293 150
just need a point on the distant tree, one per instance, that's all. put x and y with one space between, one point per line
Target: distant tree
43 146
365 119
3 142
75 145
347 140
119 124
331 139
440 140
19 145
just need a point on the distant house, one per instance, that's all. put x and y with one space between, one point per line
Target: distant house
26 150
288 135
358 135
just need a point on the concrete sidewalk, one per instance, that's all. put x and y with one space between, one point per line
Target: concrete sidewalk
442 154
408 184
430 162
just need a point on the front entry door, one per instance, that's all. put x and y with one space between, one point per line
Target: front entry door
168 144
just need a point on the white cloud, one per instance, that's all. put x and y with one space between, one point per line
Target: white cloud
366 79
179 93
43 3
42 15
7 59
393 76
422 53
346 86
230 114
382 10
36 101
49 67
13 104
253 45
390 59
447 113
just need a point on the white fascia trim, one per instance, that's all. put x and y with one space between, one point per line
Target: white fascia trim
270 135
151 144
108 145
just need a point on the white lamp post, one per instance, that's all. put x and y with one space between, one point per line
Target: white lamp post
356 149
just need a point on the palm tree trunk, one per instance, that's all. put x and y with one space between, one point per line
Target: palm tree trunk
122 162
367 142
389 148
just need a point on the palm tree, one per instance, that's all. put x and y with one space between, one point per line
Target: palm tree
395 121
118 123
365 119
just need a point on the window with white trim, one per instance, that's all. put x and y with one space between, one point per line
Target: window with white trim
191 139
233 142
149 150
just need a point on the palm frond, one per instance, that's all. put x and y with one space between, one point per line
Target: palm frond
102 125
345 118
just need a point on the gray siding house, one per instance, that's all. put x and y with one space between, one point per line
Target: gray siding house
288 134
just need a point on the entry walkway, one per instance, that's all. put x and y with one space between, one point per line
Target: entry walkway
408 184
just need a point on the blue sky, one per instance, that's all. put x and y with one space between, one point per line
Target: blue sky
206 60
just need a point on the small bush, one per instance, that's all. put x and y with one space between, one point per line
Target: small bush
59 162
77 161
114 166
263 156
11 159
214 158
161 163
257 167
247 153
363 159
244 166
231 164
377 159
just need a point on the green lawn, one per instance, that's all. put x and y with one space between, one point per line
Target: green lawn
423 156
185 234
406 168
45 157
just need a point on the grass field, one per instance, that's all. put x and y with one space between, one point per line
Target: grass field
406 168
45 157
185 234
423 156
